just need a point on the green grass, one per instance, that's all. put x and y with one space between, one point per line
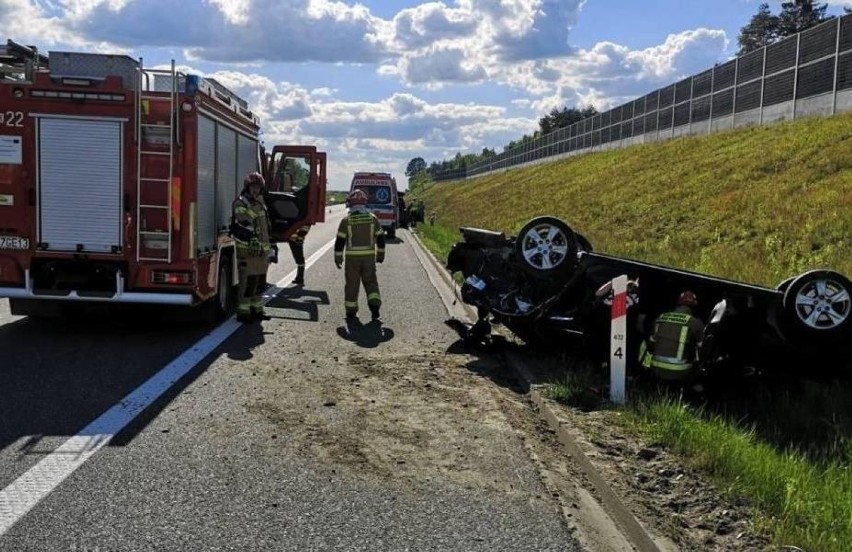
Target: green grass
808 504
757 205
438 238
335 197
578 387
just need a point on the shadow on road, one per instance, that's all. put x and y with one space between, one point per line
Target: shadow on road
368 336
489 362
57 375
240 345
297 303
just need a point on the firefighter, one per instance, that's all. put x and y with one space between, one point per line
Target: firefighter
673 348
297 248
361 241
250 228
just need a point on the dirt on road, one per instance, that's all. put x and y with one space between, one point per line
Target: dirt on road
460 416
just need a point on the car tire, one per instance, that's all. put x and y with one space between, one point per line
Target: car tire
819 302
583 244
546 246
782 287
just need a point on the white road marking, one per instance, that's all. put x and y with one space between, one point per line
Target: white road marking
30 488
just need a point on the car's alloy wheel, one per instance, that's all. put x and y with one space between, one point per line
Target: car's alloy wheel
546 245
820 300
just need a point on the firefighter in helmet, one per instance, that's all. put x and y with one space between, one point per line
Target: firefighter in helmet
297 248
673 348
250 228
361 242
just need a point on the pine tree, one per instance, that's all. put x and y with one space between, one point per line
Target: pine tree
799 15
761 30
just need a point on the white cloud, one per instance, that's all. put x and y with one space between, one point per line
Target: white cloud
213 30
236 12
533 30
608 73
440 65
475 40
428 23
516 46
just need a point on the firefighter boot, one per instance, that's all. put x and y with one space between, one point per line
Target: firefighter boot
300 276
260 315
245 317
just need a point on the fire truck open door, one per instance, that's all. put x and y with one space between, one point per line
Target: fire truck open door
295 188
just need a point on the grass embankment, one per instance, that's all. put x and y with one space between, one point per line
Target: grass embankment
757 205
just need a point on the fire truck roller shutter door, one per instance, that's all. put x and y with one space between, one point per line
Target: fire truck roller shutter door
228 184
80 178
206 184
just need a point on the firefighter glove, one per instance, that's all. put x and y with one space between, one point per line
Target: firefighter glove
337 263
273 253
380 259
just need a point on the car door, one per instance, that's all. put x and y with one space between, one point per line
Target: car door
295 188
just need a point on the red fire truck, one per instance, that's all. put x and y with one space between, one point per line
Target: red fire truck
116 183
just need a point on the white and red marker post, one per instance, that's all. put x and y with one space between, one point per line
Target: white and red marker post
618 341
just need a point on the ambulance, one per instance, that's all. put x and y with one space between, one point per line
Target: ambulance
383 198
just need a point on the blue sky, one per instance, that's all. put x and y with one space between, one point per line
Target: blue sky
378 82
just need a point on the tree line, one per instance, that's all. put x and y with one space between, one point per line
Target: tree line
764 28
556 119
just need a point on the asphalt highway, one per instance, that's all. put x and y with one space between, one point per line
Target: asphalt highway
94 456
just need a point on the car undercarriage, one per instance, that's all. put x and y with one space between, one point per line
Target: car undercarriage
549 287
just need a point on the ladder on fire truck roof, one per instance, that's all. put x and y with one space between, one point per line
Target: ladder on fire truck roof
157 239
19 62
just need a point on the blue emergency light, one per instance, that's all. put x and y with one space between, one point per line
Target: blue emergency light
193 82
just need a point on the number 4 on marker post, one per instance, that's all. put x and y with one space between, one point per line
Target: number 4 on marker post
618 340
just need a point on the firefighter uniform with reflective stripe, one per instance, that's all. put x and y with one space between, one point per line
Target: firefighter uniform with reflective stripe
251 229
673 348
361 241
297 248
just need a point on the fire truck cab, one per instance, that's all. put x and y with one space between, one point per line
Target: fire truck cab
117 183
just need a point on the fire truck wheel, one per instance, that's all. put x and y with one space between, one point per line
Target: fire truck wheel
226 299
224 303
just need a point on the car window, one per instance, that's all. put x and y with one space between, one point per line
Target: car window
290 174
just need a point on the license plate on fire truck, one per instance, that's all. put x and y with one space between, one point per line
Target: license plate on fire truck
14 242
